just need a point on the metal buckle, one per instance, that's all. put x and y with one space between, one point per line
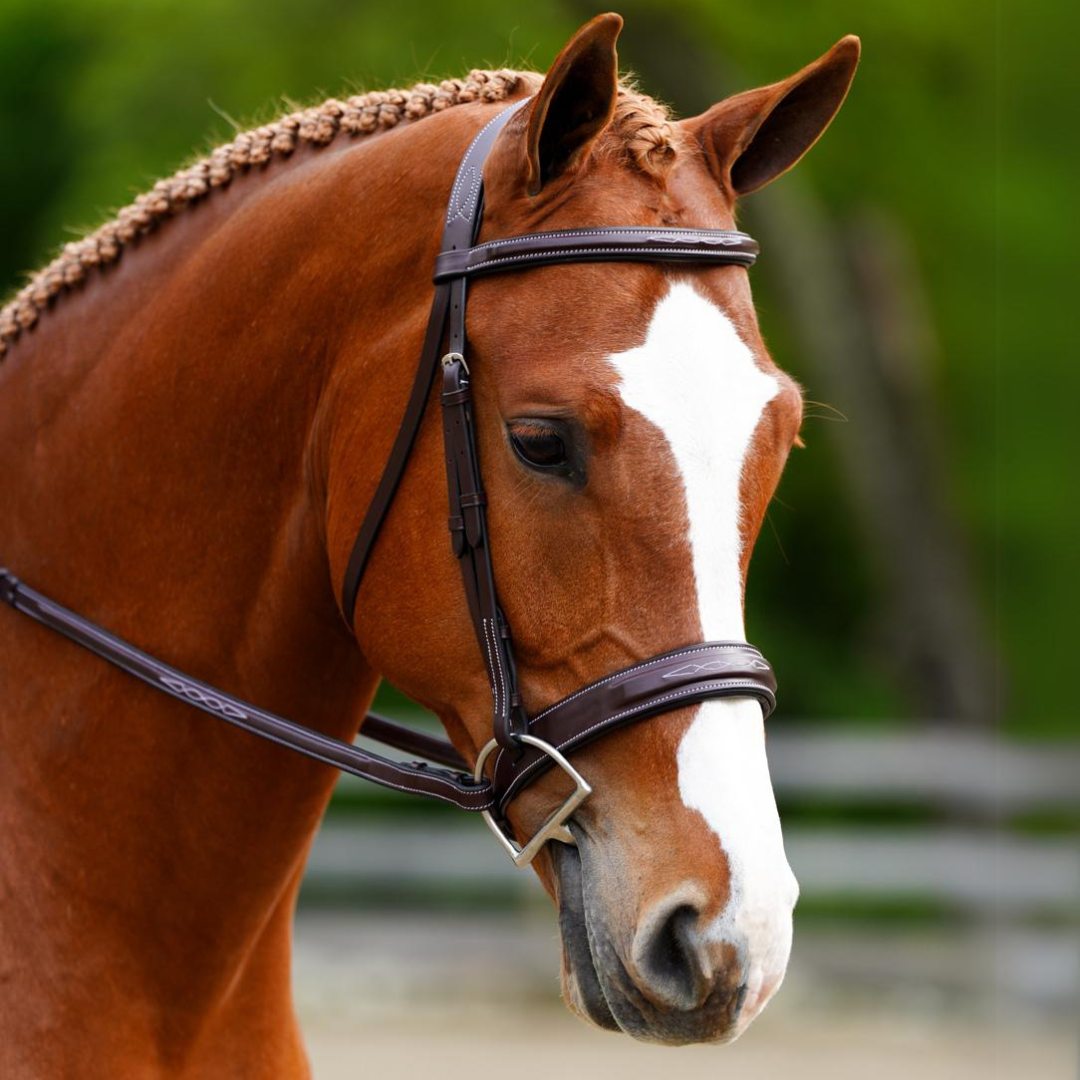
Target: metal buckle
455 357
554 828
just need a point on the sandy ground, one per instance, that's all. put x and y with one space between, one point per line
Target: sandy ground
548 1045
412 995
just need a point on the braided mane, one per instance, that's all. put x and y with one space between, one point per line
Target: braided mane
644 126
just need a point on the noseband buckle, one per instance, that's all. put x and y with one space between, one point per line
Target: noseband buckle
554 828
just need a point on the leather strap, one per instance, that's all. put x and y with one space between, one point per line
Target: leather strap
459 231
399 456
430 747
662 683
416 778
469 542
608 244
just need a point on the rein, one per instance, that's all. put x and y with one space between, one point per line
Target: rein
524 747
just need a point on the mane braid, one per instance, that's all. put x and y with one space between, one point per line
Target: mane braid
645 129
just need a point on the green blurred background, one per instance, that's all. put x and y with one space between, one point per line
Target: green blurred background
913 583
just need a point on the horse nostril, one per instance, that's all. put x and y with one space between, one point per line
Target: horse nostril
670 961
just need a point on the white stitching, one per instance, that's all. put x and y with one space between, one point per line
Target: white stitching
450 211
499 668
433 794
719 254
420 791
464 208
496 683
641 667
628 230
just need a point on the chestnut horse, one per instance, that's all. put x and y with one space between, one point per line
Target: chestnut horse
189 437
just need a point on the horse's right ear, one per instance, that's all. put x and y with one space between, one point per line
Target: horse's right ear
752 138
575 104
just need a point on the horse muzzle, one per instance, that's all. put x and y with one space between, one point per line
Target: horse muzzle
662 973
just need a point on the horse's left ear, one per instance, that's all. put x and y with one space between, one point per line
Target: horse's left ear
753 137
576 102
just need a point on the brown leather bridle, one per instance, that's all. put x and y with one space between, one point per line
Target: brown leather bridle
525 747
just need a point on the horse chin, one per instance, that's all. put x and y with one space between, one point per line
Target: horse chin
581 983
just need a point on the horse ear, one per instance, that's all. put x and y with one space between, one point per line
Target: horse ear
752 138
576 102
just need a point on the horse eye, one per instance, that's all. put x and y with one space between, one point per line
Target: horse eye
539 447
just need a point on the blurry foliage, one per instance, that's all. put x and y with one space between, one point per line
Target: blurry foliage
950 128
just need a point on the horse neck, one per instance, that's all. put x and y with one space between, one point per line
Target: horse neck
164 453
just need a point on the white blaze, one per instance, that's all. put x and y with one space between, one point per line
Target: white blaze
696 381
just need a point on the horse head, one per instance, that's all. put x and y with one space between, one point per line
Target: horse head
632 428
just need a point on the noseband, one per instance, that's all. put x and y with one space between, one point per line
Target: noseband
524 747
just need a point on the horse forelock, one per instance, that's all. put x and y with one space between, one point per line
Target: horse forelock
642 126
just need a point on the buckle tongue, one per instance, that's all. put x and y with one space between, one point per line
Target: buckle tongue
455 358
554 828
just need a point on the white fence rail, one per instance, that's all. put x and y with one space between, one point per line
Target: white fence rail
973 863
937 766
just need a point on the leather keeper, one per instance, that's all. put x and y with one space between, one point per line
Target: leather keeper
457 536
456 397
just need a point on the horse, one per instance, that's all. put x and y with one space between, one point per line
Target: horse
196 402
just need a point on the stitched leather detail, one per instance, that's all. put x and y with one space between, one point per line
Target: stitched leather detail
615 244
695 672
459 790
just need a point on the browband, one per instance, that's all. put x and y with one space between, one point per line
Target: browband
632 243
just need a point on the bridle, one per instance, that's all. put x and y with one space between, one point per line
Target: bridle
524 747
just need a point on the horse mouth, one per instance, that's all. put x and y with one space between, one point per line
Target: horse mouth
582 988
